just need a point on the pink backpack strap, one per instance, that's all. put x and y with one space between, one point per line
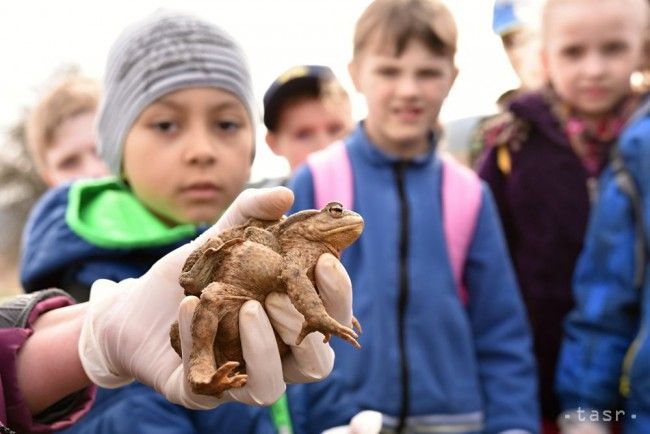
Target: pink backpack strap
332 174
461 199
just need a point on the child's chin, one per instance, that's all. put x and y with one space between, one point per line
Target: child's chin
202 217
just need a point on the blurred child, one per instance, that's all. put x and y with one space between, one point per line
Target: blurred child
305 109
513 21
544 157
602 372
176 127
60 132
434 358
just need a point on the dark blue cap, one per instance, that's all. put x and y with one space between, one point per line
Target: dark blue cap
298 81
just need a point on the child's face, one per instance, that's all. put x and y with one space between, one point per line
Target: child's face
307 126
189 153
523 49
404 95
590 51
73 153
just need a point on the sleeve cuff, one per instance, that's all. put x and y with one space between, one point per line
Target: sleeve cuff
16 318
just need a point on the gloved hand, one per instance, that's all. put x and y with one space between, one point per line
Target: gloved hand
125 335
578 422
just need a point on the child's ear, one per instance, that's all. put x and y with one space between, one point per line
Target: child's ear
353 70
272 141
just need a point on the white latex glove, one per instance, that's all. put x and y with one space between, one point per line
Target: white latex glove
577 422
364 422
125 335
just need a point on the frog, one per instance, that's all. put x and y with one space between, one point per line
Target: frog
248 262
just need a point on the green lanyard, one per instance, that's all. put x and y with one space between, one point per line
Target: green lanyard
280 415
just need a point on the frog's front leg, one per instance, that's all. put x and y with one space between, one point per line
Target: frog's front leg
306 300
197 270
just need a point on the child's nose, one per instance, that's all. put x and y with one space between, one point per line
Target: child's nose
200 148
594 65
407 86
323 139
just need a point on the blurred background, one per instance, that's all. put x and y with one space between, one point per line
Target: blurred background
37 37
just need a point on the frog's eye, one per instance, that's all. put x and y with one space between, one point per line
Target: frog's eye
335 209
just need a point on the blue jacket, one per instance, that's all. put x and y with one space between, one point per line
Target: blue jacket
422 351
606 346
58 252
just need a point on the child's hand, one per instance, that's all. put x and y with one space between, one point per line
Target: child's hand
125 335
577 422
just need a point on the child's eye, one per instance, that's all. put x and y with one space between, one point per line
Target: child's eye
166 127
430 73
229 126
304 134
335 130
614 47
70 163
573 52
388 72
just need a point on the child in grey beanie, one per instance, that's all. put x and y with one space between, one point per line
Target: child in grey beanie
163 53
176 127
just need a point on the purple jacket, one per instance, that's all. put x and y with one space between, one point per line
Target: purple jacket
544 205
16 319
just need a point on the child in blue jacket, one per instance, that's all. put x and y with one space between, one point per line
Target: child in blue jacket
603 371
433 359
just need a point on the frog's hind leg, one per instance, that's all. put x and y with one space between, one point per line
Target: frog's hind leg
214 310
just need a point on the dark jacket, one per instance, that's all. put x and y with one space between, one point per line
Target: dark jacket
541 190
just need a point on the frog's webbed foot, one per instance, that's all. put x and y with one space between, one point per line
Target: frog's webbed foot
214 383
327 326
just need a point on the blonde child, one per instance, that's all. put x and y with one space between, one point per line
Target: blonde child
60 133
544 157
434 357
305 109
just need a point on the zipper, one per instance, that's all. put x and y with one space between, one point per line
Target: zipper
400 168
628 361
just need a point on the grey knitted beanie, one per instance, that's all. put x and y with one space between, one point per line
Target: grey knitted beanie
164 53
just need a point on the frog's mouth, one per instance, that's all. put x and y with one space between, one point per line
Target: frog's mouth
352 227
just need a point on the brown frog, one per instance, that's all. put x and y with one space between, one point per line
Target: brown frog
249 262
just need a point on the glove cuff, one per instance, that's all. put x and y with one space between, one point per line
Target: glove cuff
92 348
